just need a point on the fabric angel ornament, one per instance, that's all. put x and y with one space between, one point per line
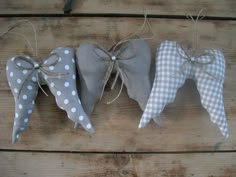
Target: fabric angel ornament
173 66
25 76
130 59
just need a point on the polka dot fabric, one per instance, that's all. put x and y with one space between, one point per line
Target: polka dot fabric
171 72
58 72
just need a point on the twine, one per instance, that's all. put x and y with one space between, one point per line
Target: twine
34 65
113 59
195 40
39 67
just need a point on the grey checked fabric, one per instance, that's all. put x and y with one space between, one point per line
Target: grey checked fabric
172 69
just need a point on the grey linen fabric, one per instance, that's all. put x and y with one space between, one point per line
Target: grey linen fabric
131 59
25 75
173 68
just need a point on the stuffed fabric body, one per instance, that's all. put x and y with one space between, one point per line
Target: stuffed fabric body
57 71
173 67
130 59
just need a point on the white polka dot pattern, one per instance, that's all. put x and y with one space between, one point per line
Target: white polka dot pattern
73 93
11 74
51 68
34 79
73 109
51 84
67 67
60 77
24 97
66 84
19 81
66 101
29 87
58 93
24 71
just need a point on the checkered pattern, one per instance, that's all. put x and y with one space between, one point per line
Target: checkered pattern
172 69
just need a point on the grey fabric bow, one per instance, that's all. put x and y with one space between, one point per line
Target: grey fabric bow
25 75
130 59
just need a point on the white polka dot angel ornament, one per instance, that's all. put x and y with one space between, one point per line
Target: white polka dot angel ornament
26 74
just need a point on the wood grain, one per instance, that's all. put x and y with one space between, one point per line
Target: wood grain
216 8
22 164
187 126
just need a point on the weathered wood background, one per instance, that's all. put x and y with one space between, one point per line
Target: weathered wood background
188 144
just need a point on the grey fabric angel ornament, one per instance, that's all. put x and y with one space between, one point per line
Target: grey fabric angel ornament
130 59
25 76
173 66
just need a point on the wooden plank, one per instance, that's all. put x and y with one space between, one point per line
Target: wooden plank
217 8
32 7
186 127
112 165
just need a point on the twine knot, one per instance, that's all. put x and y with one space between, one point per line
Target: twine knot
113 58
114 55
39 67
196 60
36 66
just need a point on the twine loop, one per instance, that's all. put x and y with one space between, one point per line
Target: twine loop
195 60
113 56
39 67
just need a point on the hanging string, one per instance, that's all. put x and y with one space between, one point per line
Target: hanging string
195 37
34 65
121 87
19 22
111 57
40 67
19 35
195 43
135 34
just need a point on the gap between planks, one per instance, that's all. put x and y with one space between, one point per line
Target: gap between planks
117 152
116 15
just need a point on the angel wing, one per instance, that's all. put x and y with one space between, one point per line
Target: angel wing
211 91
25 75
136 70
24 89
64 87
168 79
92 71
133 61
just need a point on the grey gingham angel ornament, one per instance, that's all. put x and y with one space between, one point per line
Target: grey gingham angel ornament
26 74
173 66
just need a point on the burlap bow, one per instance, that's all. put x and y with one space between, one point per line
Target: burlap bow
131 61
25 75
